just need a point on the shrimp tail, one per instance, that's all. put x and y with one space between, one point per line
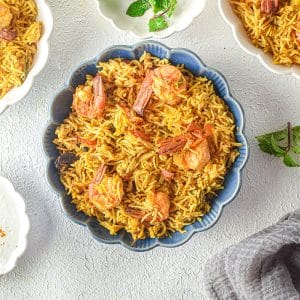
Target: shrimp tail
7 34
99 94
269 6
172 145
144 95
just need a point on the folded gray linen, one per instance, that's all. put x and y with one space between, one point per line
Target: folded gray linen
263 266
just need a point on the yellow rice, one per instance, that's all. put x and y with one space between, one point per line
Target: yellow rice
191 191
275 34
16 56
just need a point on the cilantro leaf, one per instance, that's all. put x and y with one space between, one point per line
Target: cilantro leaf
138 8
289 161
157 24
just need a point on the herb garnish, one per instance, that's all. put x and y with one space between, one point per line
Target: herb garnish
163 9
284 143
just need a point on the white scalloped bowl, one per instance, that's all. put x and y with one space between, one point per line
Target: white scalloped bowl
245 43
115 12
40 59
14 222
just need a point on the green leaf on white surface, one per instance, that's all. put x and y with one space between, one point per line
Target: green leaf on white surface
157 24
284 143
289 161
172 8
138 8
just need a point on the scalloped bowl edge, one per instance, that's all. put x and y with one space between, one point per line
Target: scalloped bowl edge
40 59
236 168
245 43
24 227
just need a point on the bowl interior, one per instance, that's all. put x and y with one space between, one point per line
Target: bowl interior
246 44
39 60
61 109
115 10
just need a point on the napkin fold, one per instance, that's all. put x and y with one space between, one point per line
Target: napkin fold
263 266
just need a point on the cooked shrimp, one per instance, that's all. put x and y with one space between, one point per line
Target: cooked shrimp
131 115
175 144
172 145
8 34
90 102
5 16
167 175
141 134
166 82
106 192
195 158
297 31
269 6
160 202
198 153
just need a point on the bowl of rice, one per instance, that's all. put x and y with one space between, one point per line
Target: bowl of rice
127 171
270 34
25 29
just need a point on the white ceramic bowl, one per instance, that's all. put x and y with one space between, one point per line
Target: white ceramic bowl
40 59
14 223
115 12
245 43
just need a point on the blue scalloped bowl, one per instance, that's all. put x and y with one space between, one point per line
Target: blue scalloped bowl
60 109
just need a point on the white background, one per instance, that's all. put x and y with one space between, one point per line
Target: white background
62 261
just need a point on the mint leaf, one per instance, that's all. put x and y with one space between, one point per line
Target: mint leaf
172 7
296 149
138 8
157 24
296 134
277 150
289 161
284 143
159 5
268 142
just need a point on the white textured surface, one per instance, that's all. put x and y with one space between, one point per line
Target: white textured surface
62 261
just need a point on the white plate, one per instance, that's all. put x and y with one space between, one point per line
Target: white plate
40 59
245 43
115 12
14 222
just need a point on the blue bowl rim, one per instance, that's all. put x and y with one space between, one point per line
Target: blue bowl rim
67 86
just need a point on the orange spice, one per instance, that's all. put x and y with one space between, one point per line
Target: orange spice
2 233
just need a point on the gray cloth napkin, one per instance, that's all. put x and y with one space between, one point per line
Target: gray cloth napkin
264 266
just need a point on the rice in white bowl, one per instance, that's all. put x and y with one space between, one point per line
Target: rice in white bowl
14 226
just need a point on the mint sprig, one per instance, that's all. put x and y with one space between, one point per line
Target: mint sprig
284 143
138 8
162 9
157 23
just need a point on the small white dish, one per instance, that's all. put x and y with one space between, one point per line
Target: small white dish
14 226
115 12
40 59
245 43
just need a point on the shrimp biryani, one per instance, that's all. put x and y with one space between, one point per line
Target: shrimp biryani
146 146
19 34
274 26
